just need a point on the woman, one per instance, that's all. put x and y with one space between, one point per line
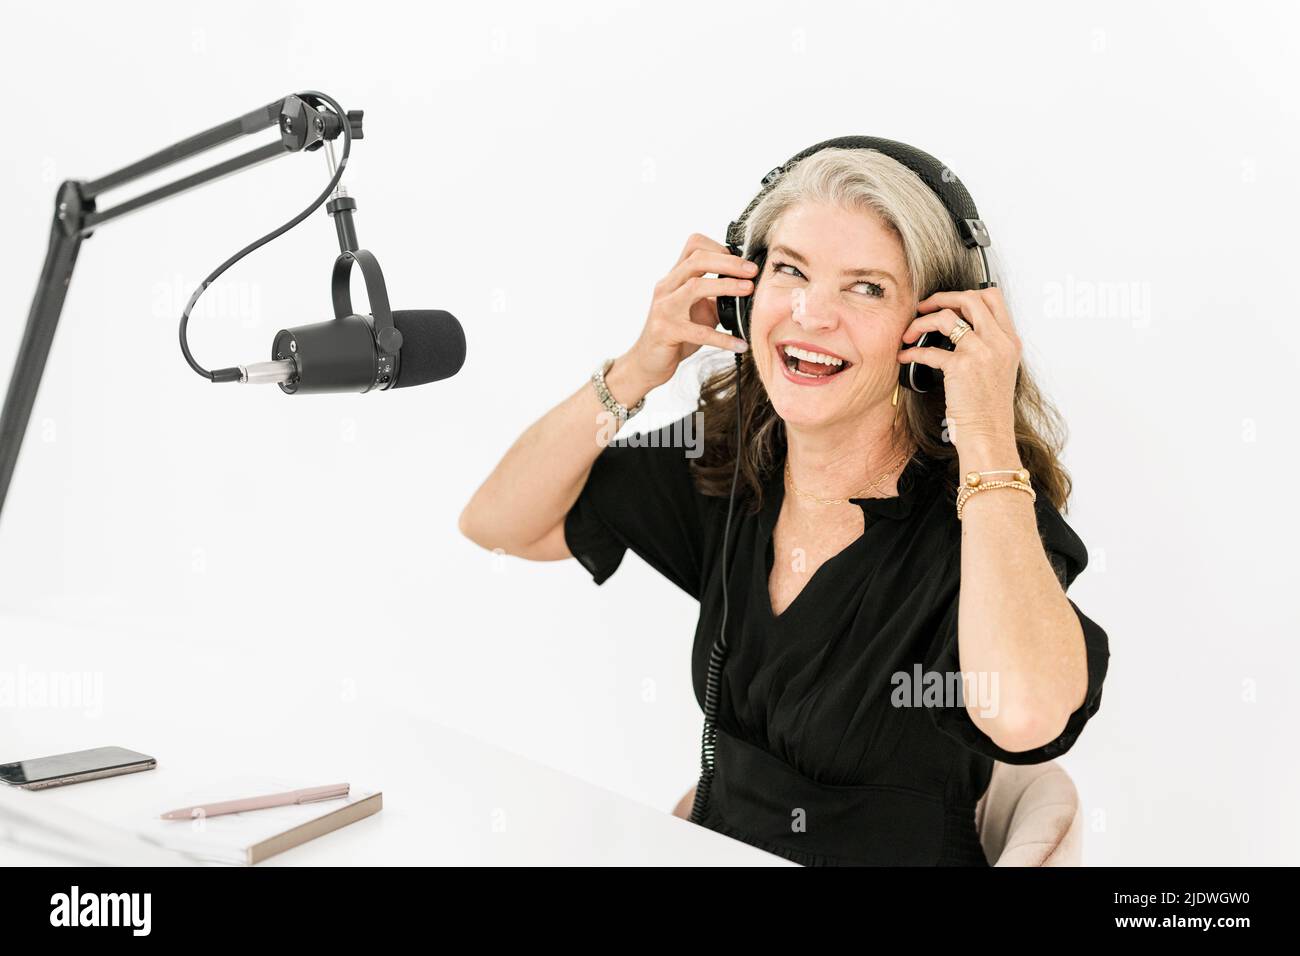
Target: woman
839 737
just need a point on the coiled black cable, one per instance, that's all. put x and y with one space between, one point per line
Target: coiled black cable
232 374
718 653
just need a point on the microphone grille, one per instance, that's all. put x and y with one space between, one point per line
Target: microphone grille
433 346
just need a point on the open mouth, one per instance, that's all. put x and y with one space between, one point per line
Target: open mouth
809 364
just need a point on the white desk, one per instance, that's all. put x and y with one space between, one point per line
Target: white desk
448 797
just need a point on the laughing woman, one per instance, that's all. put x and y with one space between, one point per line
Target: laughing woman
856 574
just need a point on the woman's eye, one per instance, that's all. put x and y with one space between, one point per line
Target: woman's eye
873 290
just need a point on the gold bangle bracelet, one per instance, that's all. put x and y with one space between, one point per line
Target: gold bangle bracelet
968 490
973 478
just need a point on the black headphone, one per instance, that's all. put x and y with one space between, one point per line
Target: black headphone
734 313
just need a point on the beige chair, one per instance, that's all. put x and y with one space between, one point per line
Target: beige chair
1029 816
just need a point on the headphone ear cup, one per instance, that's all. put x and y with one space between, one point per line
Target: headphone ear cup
759 258
727 317
927 378
731 314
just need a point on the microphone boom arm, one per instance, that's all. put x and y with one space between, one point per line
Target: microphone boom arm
301 125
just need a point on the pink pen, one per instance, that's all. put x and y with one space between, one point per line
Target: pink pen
309 795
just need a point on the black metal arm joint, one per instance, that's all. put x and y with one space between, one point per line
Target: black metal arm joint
303 126
71 207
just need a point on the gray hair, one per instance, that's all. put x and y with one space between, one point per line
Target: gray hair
869 180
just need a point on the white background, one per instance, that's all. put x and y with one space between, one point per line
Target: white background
535 169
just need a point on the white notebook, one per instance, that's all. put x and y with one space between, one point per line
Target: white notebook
252 836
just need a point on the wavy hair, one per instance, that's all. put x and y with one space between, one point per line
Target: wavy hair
937 260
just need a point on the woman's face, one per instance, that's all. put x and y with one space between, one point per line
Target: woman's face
835 283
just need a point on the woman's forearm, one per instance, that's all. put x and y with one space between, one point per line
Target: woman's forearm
538 479
1016 629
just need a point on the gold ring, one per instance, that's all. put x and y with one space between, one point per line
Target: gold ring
958 330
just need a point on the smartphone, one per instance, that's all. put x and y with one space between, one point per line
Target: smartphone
74 767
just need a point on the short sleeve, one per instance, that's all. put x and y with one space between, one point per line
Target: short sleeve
1068 557
639 495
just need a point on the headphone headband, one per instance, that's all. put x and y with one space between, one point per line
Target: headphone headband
939 178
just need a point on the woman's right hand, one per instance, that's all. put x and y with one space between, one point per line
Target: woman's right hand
684 312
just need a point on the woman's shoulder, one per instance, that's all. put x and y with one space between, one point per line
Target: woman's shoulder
938 481
1065 549
639 495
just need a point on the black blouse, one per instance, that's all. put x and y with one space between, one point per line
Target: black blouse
821 757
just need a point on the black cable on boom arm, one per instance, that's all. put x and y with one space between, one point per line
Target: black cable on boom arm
232 374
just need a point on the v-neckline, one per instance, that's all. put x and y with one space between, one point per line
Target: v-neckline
894 506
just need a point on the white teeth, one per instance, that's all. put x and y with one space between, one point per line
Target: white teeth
807 356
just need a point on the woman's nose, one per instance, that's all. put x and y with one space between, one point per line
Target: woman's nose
810 311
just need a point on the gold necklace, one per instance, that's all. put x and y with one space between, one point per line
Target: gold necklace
839 501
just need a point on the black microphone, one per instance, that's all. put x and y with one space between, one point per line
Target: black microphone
344 354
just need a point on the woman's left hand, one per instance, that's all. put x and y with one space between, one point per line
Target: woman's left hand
979 375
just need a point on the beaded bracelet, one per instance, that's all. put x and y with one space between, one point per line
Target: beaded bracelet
975 483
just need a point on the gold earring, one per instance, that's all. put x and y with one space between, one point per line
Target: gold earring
895 401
